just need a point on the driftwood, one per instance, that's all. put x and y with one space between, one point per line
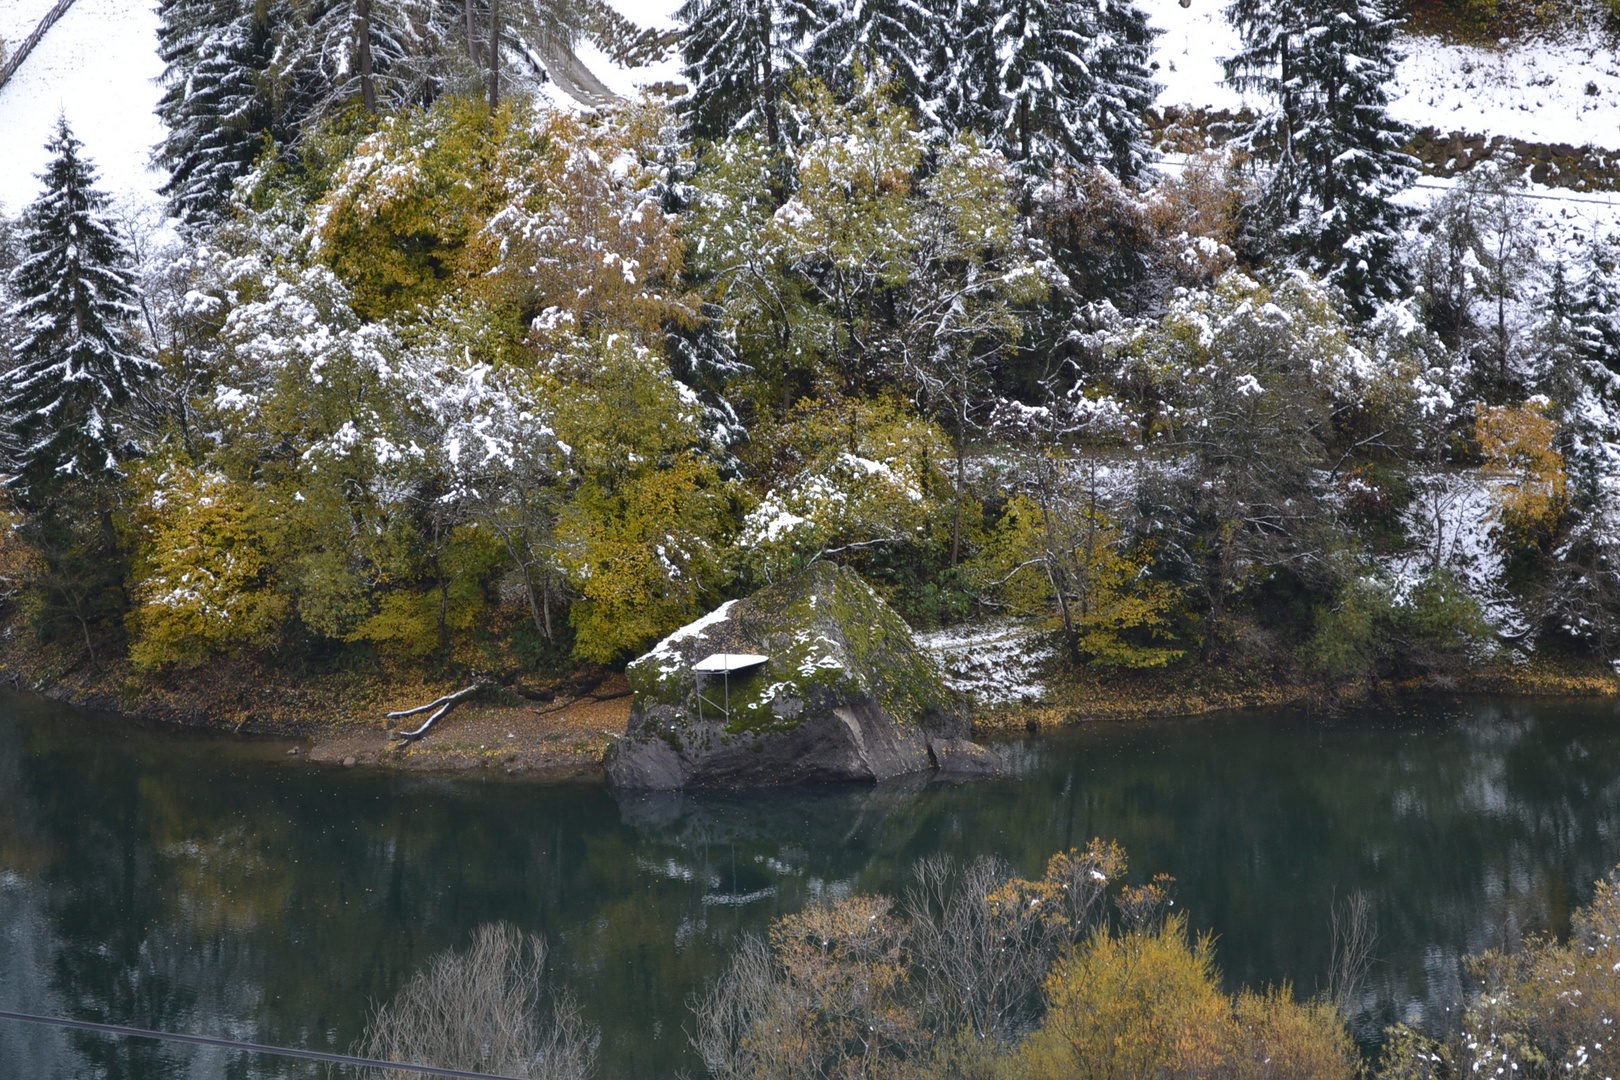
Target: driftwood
440 707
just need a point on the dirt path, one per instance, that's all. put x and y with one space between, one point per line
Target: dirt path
563 736
573 77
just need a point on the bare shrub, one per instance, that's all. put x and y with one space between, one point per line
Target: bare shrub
1355 933
826 998
483 1009
986 976
953 978
982 941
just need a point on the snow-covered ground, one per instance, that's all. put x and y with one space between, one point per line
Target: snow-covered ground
97 67
1567 93
1538 91
1191 45
996 662
18 19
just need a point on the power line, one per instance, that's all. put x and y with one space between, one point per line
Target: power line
252 1048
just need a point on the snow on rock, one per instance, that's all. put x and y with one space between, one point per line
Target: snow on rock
97 66
844 693
995 662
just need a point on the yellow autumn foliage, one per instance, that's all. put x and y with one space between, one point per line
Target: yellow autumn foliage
639 531
1532 493
1135 1004
1146 1004
532 211
202 584
1067 562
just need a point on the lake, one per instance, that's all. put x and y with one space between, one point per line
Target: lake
213 885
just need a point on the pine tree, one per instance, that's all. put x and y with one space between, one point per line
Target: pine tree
77 360
740 57
967 70
383 54
1326 64
1597 306
904 41
1075 84
219 104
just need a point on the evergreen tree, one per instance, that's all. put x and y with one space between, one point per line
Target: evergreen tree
383 54
1075 84
1326 64
740 57
1597 306
905 41
219 104
76 361
967 70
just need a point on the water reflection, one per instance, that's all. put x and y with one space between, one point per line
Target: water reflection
214 886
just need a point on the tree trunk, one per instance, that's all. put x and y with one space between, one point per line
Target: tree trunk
494 55
441 706
472 35
961 474
767 85
368 91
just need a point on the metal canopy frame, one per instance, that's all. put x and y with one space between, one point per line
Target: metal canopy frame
722 664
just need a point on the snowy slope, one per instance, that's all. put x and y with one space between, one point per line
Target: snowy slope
1191 45
649 14
1568 93
18 19
96 66
1538 91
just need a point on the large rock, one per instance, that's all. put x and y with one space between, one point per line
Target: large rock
846 695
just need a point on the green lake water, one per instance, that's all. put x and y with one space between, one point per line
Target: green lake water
215 886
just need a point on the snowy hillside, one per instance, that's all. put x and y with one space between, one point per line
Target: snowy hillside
97 67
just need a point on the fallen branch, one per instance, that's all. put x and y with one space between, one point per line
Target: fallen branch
440 706
571 702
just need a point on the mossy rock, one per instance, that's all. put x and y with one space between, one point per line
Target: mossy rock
846 694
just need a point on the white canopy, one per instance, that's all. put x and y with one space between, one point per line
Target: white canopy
721 662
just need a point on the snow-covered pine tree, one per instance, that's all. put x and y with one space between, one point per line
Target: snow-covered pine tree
383 54
740 57
219 104
1580 595
1326 65
1597 305
1125 86
1075 84
905 42
77 360
966 71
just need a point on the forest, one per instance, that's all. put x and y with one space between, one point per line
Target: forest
426 373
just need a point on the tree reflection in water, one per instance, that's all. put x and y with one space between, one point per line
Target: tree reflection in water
214 886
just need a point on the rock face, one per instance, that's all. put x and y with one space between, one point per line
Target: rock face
846 694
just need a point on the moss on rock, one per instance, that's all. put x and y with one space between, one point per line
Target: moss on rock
845 694
823 628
